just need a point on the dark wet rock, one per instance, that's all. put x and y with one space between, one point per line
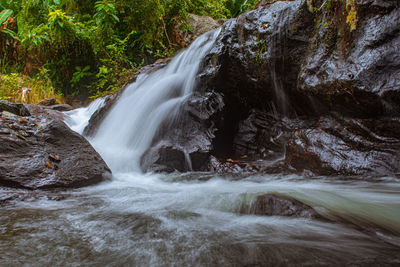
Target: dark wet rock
264 135
257 57
61 107
189 137
44 113
247 167
229 166
15 108
166 156
275 205
44 154
355 72
279 57
48 102
347 146
110 100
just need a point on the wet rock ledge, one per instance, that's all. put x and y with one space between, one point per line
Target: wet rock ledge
40 151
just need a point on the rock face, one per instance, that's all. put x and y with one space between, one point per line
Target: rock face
273 205
292 87
355 71
48 102
347 146
38 153
186 144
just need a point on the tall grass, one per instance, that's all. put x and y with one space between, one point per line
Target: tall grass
11 88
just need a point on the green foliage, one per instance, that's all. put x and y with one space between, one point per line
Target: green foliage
236 7
94 46
106 13
4 15
79 74
61 27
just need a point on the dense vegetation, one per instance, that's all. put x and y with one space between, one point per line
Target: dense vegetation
88 47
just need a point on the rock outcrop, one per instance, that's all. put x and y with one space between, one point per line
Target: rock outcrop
40 152
292 86
278 69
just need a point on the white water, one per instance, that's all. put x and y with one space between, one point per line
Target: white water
78 119
192 219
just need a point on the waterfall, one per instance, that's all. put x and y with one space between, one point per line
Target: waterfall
78 119
128 130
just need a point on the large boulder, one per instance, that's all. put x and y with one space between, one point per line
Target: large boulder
43 153
281 61
347 146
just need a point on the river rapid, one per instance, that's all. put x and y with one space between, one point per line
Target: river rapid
197 219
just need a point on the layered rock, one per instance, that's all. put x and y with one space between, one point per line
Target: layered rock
40 152
185 144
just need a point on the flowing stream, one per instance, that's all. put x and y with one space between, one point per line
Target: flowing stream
194 219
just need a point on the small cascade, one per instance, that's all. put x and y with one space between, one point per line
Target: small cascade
188 161
78 119
277 67
128 130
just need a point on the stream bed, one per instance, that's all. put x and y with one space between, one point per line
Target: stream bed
197 219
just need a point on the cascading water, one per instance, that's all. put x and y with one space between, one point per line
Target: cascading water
192 219
78 119
129 128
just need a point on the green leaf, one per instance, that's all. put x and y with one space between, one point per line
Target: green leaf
116 18
4 15
10 32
